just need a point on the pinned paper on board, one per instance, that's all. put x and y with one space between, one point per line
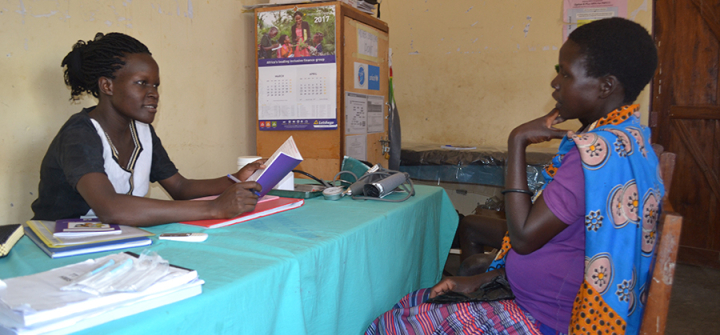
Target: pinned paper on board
356 147
364 113
367 42
355 113
366 77
375 116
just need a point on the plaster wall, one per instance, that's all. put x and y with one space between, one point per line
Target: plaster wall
467 72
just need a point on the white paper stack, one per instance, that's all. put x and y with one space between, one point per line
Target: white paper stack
359 4
365 7
287 2
35 304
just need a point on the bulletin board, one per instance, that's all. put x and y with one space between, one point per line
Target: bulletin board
366 89
323 149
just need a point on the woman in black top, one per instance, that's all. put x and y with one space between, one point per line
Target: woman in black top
102 160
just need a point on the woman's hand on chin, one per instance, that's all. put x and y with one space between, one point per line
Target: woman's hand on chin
539 130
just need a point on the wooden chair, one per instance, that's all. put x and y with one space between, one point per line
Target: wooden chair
669 227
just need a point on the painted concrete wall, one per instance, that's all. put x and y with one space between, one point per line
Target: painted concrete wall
466 72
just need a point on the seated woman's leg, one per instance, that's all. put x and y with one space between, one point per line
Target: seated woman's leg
476 264
475 232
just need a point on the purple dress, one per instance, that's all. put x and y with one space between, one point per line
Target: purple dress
546 281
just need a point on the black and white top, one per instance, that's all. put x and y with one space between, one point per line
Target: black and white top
81 147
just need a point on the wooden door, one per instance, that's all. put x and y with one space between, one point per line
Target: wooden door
686 119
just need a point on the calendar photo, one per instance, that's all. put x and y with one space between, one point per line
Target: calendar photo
286 36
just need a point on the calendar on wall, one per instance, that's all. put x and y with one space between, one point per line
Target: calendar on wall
297 71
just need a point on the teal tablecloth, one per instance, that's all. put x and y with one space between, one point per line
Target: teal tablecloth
329 267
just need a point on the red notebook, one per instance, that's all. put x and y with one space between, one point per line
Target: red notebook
264 208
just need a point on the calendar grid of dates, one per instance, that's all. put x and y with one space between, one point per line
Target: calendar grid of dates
312 86
278 87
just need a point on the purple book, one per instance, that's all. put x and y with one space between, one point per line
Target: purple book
286 158
84 227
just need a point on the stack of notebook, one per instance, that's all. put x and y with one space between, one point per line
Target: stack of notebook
9 235
42 233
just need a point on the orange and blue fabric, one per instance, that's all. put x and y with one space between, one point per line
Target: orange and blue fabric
623 210
622 204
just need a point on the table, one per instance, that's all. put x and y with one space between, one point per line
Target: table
328 267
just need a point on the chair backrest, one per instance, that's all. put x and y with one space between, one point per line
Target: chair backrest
669 227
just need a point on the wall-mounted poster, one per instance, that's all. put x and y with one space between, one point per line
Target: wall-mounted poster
297 72
578 12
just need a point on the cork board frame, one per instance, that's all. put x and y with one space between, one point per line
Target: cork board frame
323 150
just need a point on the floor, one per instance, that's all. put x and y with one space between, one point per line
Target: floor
694 304
695 301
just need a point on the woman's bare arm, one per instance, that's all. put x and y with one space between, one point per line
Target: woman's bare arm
530 226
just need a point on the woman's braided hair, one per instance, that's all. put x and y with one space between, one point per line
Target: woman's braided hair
100 57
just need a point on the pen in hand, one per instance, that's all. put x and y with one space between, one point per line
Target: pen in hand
238 181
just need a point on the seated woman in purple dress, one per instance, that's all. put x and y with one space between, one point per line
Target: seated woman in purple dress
577 254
